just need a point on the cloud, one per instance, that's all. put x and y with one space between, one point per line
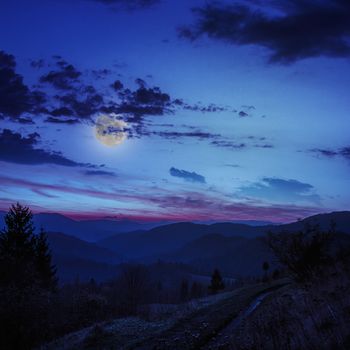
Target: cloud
180 206
99 173
290 30
201 135
15 148
15 97
117 85
229 144
64 78
264 145
142 101
276 189
150 101
70 98
243 114
80 105
211 108
62 121
187 175
331 153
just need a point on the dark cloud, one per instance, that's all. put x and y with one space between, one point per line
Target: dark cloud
99 173
264 145
277 189
64 78
228 144
151 101
211 108
291 31
178 134
144 100
331 153
187 175
325 152
80 105
15 97
15 148
62 121
198 107
70 98
25 120
61 111
117 85
243 114
345 152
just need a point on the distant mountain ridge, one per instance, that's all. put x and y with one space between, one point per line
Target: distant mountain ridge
233 256
168 238
75 258
95 230
88 230
237 249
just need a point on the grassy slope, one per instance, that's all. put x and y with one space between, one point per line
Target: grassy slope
187 326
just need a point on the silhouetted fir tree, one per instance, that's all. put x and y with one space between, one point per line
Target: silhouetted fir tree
46 270
216 282
17 249
25 259
26 281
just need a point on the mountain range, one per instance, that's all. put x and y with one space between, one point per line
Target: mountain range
87 230
236 249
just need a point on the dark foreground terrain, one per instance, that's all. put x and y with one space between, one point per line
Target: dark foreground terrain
197 324
301 299
273 315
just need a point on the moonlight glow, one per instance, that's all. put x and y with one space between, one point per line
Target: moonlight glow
111 131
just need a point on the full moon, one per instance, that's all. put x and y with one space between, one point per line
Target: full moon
110 130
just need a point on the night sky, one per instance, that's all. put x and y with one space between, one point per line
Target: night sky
175 110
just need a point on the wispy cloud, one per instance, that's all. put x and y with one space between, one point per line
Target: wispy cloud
281 190
187 175
182 206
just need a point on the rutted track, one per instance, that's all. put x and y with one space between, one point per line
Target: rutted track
207 328
219 341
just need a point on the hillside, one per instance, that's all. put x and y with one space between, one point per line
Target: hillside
233 256
75 258
169 238
184 326
88 230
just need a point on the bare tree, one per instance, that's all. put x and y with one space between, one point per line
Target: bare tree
305 253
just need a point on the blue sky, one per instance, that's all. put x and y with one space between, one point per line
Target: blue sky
223 122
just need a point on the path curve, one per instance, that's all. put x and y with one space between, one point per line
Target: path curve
221 339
